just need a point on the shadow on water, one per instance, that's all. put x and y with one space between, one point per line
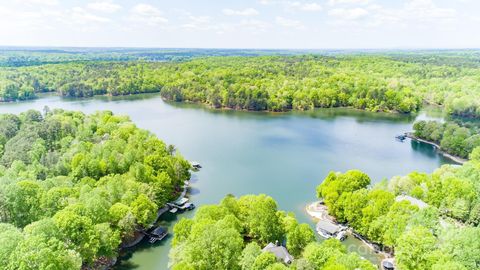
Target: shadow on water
193 191
360 116
193 178
106 98
167 220
424 148
124 261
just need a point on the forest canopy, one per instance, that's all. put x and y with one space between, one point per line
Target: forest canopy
429 221
374 82
232 234
73 187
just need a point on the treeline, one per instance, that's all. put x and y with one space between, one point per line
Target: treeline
453 138
273 83
77 80
73 187
429 221
232 234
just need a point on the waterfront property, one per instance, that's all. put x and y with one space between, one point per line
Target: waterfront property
280 252
328 229
280 156
157 234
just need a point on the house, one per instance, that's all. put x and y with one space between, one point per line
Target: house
280 252
414 201
328 229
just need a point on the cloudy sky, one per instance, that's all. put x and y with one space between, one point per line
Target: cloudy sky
313 24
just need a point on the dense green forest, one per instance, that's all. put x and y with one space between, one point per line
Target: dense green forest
443 234
232 234
74 186
374 82
458 139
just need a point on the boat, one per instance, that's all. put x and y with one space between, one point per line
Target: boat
187 206
341 236
195 165
401 137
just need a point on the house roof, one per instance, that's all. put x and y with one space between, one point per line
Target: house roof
159 231
279 251
328 226
414 201
181 201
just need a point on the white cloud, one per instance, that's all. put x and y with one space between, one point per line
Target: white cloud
312 6
348 13
414 13
107 6
348 2
198 22
254 25
267 2
244 12
39 2
81 16
428 10
144 13
289 22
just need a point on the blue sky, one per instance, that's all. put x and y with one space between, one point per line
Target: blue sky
312 24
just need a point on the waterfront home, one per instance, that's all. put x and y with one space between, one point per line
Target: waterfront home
280 252
328 229
414 201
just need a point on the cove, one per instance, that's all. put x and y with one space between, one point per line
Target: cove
283 155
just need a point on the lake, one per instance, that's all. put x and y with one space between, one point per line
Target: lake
284 155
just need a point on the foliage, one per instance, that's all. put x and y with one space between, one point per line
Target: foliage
453 138
78 185
433 234
226 236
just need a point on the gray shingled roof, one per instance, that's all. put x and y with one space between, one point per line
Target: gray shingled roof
280 252
328 226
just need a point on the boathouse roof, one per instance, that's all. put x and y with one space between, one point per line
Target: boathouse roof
328 226
159 231
180 201
279 251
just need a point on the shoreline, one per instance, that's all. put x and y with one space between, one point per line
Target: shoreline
319 211
111 262
456 159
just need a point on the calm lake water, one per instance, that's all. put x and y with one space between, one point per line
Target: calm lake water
283 155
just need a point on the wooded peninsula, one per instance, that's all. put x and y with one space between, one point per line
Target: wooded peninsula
392 82
75 186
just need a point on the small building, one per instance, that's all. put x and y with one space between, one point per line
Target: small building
414 201
157 234
181 201
181 204
328 229
280 252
